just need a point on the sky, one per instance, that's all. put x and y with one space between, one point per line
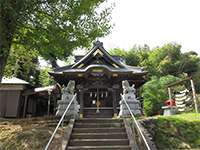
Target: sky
155 23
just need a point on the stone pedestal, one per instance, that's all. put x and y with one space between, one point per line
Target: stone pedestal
169 110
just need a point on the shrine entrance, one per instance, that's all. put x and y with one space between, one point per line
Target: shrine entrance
98 102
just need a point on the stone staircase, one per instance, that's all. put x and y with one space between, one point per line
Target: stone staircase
99 134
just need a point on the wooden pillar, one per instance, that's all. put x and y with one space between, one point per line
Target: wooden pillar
54 104
169 93
81 102
194 95
114 102
25 106
115 87
49 102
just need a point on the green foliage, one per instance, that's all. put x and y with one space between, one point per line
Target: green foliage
44 78
56 28
168 59
154 93
161 61
118 52
190 62
133 57
196 80
178 132
23 64
164 60
165 65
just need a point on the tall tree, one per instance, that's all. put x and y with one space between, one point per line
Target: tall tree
52 27
23 64
131 57
168 59
164 60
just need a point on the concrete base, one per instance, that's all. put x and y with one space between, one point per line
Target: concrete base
169 110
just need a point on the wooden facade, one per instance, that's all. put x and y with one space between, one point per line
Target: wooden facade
41 101
98 77
11 97
19 99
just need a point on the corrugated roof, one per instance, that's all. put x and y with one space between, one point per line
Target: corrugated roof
46 88
13 80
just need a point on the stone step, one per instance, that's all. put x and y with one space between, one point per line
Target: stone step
101 112
98 130
104 113
98 115
98 125
99 134
98 142
99 120
113 147
94 111
119 135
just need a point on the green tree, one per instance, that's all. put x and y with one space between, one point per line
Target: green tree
52 27
164 60
118 52
168 59
23 64
142 52
154 93
190 62
132 57
44 78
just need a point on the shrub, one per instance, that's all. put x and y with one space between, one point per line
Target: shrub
154 93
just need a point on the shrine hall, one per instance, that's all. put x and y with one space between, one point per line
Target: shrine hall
98 80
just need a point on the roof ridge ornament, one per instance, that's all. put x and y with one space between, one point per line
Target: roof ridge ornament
98 43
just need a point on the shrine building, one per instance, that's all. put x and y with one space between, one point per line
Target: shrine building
98 78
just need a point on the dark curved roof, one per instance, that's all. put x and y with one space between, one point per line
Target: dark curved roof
98 57
98 47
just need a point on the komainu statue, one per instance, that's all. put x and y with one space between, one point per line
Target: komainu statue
70 87
129 96
127 88
67 95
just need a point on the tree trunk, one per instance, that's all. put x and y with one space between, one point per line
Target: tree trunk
7 28
2 66
5 46
3 60
4 52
